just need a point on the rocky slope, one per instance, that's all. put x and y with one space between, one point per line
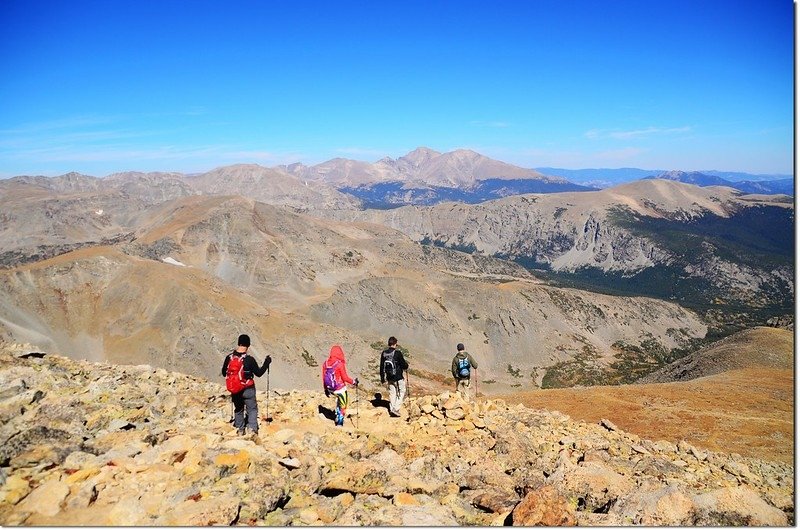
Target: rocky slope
95 444
755 347
272 187
737 395
42 217
679 241
201 269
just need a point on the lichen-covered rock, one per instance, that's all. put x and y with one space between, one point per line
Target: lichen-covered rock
95 447
544 507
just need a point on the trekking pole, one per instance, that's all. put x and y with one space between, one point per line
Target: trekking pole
269 419
476 385
358 400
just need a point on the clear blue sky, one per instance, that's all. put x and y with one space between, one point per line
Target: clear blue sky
106 86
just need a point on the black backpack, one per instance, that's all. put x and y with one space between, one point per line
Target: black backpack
389 369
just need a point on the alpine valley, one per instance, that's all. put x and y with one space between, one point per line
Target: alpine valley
634 295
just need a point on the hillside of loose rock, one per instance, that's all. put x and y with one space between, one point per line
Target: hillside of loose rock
200 270
96 444
659 238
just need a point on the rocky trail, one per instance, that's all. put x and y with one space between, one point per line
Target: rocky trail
97 444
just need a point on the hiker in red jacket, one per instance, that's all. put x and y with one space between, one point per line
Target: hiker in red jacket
335 380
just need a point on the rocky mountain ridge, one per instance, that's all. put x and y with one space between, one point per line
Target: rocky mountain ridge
419 168
771 187
96 444
623 231
200 269
425 176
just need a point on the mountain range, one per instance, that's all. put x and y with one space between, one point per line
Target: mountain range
605 178
767 187
135 265
642 305
701 246
423 176
178 283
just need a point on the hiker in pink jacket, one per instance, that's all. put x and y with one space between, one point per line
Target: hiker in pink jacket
335 380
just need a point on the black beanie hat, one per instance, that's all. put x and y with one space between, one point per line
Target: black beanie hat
244 340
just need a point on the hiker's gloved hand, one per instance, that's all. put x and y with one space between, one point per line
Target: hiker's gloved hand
356 381
327 393
267 361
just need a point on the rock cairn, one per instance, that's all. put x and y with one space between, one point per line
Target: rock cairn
95 444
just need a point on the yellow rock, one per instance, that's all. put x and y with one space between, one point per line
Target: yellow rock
81 475
346 499
451 403
15 489
47 498
240 460
405 499
308 515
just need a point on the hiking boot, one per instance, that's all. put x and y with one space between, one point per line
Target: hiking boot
240 432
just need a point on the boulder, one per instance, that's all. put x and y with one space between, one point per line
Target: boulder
595 484
218 511
495 500
405 499
239 462
15 489
736 506
455 414
47 498
128 512
656 506
544 507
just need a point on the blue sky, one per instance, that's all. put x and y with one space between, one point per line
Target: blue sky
107 86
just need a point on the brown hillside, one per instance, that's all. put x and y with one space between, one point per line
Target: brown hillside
750 348
748 411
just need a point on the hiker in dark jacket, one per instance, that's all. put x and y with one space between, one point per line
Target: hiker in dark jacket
246 399
462 366
393 364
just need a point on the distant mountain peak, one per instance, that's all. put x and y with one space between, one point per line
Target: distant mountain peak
693 177
678 174
420 155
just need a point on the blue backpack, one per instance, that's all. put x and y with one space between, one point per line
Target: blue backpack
463 367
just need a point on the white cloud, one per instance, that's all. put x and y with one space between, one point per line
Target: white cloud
616 134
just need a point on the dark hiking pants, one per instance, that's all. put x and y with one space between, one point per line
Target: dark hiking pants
246 399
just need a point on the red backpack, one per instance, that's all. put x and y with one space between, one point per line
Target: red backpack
234 380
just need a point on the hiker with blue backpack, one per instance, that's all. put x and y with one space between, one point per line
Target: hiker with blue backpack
335 380
463 363
392 367
238 370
